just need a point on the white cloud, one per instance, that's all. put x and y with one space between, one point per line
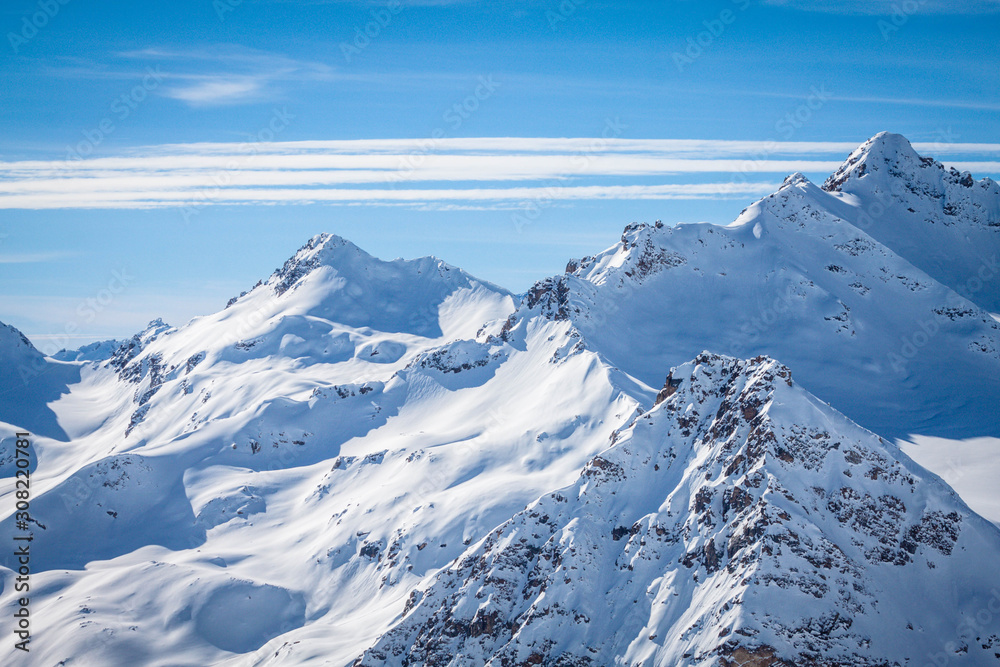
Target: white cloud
33 257
223 74
454 173
220 90
182 198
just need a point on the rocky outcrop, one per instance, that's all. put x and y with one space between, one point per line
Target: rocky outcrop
739 522
550 297
890 160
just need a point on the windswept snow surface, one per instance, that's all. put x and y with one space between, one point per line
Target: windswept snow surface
336 466
943 221
741 520
793 277
971 467
270 459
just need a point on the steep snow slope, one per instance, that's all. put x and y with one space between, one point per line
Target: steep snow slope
971 467
28 382
739 522
882 341
269 472
942 221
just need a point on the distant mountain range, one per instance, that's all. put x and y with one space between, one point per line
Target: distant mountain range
682 451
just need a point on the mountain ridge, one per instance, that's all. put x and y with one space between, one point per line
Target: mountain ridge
796 278
752 501
942 220
354 458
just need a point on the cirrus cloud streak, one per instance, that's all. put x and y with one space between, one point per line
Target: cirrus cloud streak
479 172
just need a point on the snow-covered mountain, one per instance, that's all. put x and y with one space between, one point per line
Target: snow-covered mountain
97 351
28 382
942 221
305 472
797 277
740 521
336 466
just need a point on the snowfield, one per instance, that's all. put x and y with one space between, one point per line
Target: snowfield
692 448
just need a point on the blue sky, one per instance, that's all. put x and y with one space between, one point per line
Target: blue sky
190 148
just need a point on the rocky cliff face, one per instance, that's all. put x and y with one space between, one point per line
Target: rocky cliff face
740 521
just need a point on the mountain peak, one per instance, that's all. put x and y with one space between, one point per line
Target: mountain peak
11 338
325 243
888 142
942 220
332 278
18 357
705 372
886 146
126 351
887 152
795 179
324 249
